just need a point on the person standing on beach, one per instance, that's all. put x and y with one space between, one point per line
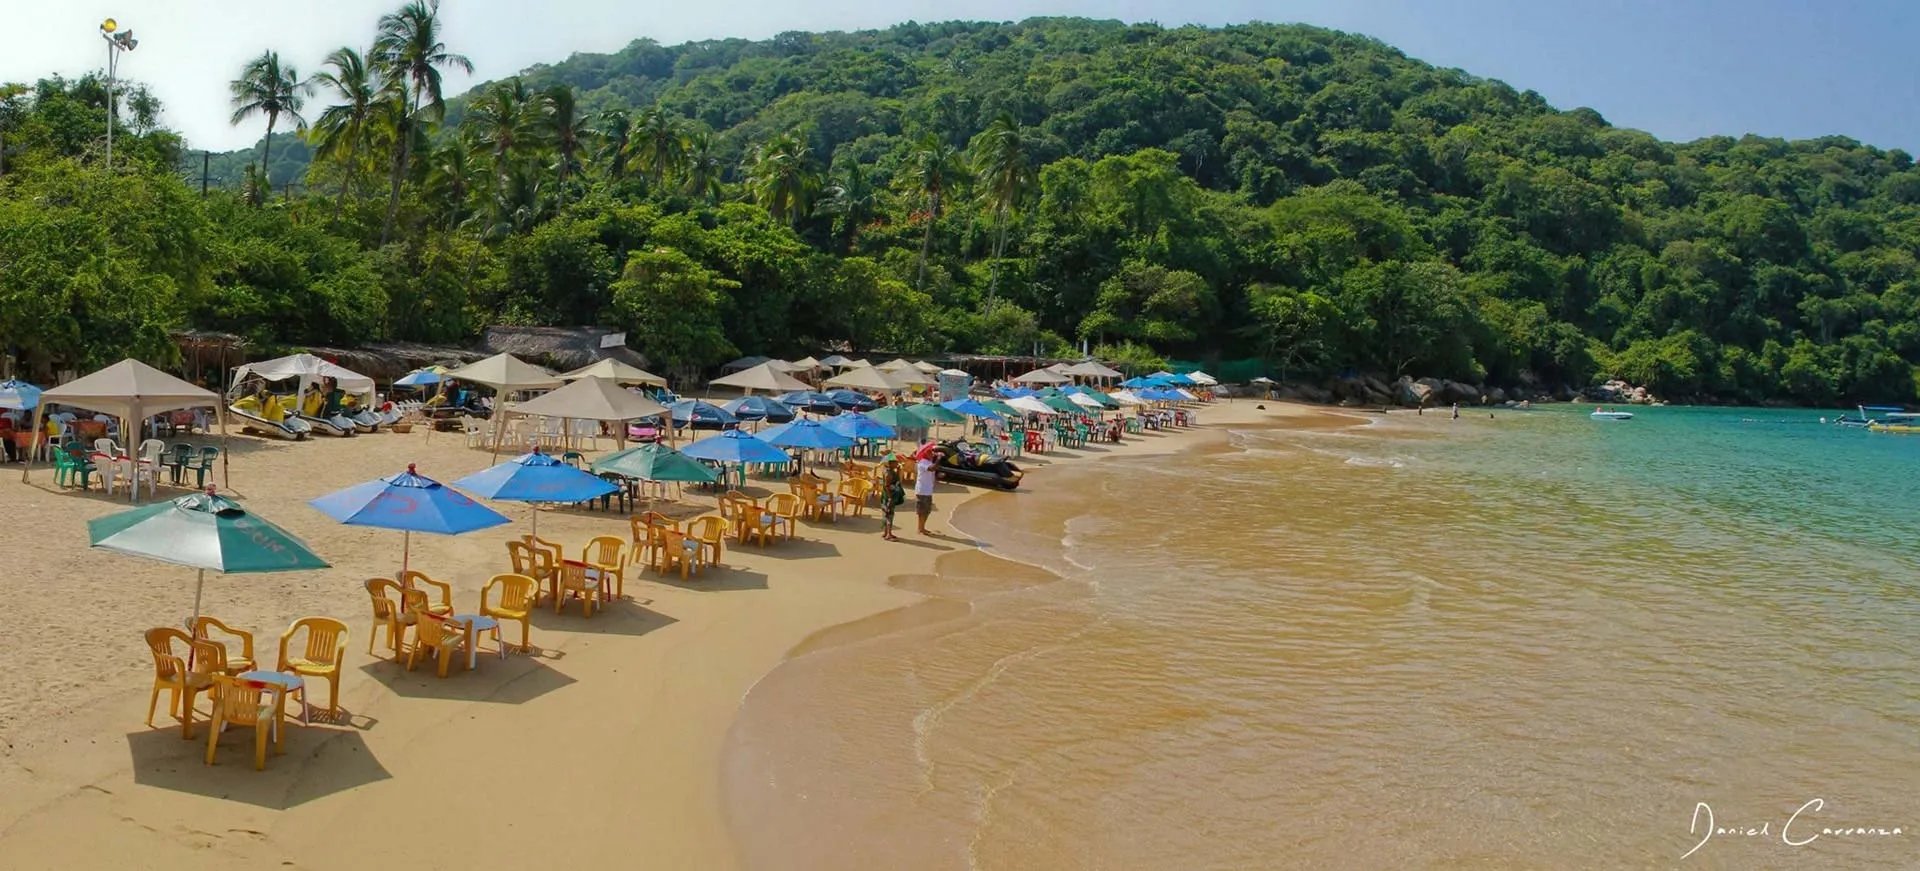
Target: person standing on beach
892 493
923 487
1456 411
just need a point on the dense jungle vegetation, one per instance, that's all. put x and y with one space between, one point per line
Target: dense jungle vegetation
1310 197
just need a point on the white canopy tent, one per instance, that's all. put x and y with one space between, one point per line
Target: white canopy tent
591 399
766 376
132 391
1127 397
1090 369
504 373
1042 376
1085 401
309 370
615 371
1199 377
867 378
834 361
927 368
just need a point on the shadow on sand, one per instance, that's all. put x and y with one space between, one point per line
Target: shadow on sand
318 762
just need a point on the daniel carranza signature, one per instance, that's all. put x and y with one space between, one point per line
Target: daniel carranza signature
1795 832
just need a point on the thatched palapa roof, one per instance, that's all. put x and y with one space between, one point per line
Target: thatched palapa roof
559 348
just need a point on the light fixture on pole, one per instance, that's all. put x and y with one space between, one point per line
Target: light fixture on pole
117 41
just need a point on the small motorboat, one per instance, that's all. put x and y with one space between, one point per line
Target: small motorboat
1599 414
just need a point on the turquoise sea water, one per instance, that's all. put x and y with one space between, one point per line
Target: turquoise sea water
1531 641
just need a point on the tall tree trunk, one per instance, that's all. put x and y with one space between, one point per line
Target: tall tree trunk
400 159
266 148
999 247
926 242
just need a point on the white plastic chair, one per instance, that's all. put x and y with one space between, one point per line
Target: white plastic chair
476 434
138 472
107 446
108 470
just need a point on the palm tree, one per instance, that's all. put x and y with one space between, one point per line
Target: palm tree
453 174
502 122
703 167
343 131
850 198
662 145
565 129
265 87
614 132
934 167
409 54
1006 181
782 178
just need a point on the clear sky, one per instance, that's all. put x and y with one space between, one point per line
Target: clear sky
1678 68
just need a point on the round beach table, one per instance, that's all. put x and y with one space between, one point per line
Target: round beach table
476 624
285 685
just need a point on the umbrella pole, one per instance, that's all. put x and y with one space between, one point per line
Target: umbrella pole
406 551
199 584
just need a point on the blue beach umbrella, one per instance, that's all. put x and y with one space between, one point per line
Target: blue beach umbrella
410 502
701 415
1181 380
855 425
1136 383
806 434
735 446
536 477
759 408
419 378
852 400
971 407
19 394
810 400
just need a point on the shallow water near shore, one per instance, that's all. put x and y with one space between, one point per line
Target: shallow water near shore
1535 641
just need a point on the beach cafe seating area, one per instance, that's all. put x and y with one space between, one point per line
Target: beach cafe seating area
245 677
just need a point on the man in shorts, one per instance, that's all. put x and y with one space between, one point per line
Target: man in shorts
923 489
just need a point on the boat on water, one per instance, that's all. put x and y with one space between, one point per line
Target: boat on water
1899 421
1604 414
1869 416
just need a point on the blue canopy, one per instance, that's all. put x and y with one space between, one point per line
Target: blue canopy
972 408
810 400
805 433
408 501
418 378
18 394
702 415
1181 380
1016 392
1136 383
852 400
759 408
735 446
855 425
536 477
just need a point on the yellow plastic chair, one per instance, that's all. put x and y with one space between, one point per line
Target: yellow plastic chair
388 614
710 531
204 629
640 544
785 510
572 578
515 601
171 673
535 564
606 554
853 495
676 549
245 703
419 581
322 655
432 631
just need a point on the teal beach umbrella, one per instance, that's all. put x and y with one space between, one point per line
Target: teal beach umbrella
206 532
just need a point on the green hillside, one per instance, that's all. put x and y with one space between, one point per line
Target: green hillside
1314 198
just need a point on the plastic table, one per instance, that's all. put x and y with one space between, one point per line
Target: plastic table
285 685
476 624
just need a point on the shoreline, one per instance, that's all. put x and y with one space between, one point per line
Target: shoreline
618 725
957 584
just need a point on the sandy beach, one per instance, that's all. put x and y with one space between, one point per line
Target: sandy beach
600 751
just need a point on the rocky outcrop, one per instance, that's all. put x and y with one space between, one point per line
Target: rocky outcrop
1413 393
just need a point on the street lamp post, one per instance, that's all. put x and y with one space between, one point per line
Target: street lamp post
117 42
